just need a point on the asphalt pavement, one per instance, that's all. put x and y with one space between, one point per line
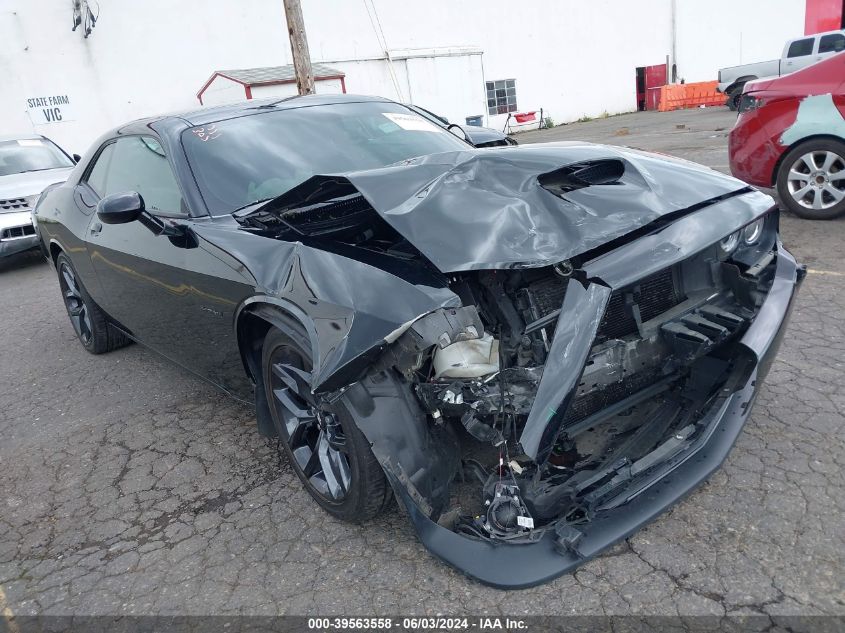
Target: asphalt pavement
129 487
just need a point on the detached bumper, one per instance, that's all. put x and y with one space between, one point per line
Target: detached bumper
524 565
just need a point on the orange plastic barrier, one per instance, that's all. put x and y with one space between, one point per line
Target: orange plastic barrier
680 96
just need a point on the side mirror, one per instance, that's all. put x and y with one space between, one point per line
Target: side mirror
120 208
458 131
76 158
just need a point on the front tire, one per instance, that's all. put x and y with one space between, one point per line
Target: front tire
88 321
323 444
811 179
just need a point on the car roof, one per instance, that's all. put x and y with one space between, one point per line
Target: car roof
211 114
29 136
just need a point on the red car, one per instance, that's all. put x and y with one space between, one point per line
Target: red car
790 134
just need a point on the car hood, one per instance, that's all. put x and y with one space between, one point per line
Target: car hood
479 135
528 206
31 183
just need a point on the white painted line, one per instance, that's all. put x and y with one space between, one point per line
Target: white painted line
832 273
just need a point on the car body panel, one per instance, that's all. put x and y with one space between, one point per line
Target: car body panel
763 134
31 183
611 215
470 210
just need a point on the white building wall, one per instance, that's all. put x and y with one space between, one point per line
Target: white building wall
570 57
719 33
143 58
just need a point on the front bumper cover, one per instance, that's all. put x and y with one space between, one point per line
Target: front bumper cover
18 244
506 565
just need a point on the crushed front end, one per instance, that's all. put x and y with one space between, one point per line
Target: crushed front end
589 395
601 320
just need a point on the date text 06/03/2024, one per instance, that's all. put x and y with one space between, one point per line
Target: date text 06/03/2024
417 624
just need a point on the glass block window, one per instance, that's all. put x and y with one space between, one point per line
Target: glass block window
501 96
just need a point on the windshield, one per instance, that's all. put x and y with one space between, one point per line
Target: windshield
260 156
30 154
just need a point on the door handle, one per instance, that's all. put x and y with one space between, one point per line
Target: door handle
96 228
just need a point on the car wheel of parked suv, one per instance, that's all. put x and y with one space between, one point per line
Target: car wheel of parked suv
322 442
89 322
811 179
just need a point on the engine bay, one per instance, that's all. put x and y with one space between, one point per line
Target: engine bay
663 351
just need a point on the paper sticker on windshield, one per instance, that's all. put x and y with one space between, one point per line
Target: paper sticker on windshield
206 133
30 142
411 122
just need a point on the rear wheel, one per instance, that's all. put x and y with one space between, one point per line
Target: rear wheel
88 321
322 442
811 179
734 97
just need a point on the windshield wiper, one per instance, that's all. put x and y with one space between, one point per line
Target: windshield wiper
26 171
240 210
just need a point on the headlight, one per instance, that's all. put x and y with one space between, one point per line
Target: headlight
751 233
729 244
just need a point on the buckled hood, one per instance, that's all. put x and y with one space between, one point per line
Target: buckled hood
523 206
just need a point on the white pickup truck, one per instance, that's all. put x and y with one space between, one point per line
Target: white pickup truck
797 54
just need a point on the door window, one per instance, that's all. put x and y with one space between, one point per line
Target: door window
832 43
138 163
799 48
97 175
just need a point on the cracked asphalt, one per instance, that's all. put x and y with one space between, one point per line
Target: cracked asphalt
129 487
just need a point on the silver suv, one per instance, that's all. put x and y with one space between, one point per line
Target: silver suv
28 164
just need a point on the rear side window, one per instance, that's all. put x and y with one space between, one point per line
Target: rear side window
799 48
97 176
832 43
137 163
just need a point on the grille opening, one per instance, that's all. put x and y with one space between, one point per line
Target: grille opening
14 204
594 401
17 231
654 295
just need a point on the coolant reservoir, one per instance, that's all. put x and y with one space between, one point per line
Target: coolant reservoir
467 359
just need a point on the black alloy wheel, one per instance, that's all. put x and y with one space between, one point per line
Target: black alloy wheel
313 433
324 446
78 312
88 320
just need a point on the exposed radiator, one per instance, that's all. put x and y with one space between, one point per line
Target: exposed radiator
654 295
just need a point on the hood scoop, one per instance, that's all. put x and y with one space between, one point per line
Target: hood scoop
579 175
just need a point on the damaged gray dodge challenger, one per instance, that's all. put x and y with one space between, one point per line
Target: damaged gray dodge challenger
536 349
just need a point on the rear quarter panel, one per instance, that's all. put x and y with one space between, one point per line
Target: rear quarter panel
61 224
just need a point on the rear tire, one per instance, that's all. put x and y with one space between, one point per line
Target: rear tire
734 97
88 321
811 179
322 442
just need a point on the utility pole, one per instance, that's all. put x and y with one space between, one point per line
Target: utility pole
299 47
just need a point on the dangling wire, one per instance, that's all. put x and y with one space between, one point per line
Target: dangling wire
84 16
508 420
